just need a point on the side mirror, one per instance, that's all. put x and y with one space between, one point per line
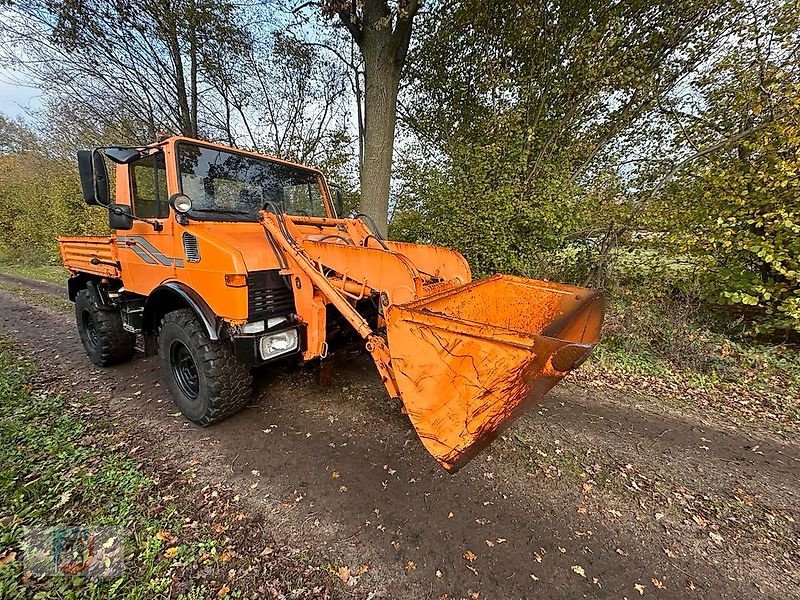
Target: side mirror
119 216
338 202
94 177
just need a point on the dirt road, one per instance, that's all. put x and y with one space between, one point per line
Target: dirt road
590 496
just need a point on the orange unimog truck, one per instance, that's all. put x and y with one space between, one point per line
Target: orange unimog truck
224 260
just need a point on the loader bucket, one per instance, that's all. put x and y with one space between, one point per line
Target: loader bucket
469 360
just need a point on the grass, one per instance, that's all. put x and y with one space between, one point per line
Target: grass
63 463
35 297
49 273
688 365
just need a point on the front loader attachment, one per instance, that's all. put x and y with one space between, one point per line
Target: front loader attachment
466 359
469 360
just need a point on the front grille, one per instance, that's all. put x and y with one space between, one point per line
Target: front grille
268 295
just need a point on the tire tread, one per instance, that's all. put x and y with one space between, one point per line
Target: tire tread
230 382
115 345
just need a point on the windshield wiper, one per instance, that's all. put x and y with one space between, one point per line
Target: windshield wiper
224 211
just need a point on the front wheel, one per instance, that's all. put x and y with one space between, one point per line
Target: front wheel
206 381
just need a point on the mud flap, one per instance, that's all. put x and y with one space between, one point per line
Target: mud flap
470 360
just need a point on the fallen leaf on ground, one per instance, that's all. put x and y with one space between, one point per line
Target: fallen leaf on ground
438 573
701 522
411 565
165 536
223 591
579 570
658 583
716 538
470 555
490 543
534 577
7 558
335 474
639 588
171 552
343 573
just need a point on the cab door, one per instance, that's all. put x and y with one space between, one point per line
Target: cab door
147 255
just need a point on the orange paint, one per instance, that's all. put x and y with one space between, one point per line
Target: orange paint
466 358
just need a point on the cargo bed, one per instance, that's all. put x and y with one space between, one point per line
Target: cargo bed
96 254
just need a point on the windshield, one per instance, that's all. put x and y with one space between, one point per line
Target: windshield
231 186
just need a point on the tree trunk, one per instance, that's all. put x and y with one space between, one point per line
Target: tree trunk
380 118
383 35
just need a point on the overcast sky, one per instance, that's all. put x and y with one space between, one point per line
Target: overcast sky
16 98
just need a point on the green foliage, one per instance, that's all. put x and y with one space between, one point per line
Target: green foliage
40 199
524 108
490 215
737 218
576 141
51 464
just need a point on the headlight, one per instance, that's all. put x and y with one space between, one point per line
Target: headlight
275 344
181 203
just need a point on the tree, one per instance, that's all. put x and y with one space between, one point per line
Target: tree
382 31
111 63
729 204
41 198
297 95
522 119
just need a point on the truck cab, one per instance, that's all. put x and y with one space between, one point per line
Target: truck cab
185 235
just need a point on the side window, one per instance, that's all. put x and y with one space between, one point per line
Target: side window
149 187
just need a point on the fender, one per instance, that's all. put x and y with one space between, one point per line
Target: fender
173 295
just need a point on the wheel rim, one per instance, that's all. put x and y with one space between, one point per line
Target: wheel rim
90 328
184 370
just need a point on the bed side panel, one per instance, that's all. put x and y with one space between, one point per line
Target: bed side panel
77 254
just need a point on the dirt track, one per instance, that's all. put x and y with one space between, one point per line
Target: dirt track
340 471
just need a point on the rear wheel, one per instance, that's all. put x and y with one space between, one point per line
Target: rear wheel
204 377
105 340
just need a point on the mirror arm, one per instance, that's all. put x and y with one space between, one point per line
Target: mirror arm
156 225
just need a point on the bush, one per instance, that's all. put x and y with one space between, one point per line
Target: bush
41 199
